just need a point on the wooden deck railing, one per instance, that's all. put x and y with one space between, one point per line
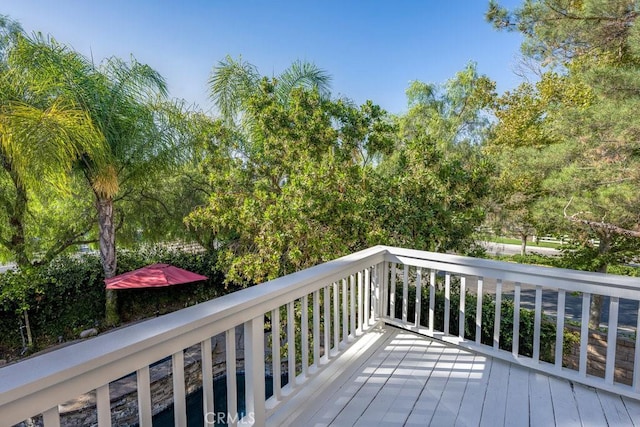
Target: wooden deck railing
341 295
438 277
315 315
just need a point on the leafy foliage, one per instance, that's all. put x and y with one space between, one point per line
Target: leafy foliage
67 295
291 198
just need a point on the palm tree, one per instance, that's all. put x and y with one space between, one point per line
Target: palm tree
124 101
233 82
42 134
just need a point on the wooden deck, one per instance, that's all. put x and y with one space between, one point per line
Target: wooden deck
407 379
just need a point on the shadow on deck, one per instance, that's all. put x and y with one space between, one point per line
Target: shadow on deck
401 378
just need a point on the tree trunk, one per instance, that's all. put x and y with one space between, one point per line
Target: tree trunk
595 312
523 246
107 242
16 221
27 326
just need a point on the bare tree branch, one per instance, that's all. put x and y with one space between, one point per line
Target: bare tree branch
599 225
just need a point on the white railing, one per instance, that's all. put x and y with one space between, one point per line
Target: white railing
440 277
342 298
317 314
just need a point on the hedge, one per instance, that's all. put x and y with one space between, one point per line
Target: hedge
67 296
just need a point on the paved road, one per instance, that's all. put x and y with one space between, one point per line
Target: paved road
508 249
573 303
627 311
7 267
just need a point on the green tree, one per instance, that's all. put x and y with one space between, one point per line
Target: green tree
428 194
592 45
234 82
42 135
450 115
126 102
295 198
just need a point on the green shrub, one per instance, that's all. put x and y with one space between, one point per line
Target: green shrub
67 296
527 319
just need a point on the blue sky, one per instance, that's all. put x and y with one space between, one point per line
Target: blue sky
372 49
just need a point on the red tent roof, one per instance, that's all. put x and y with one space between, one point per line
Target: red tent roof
153 276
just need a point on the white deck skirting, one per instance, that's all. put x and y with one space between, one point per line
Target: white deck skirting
402 378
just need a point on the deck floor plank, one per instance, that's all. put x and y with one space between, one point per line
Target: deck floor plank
431 392
589 407
540 405
411 380
495 400
633 409
422 364
517 397
474 394
449 405
565 409
363 400
392 381
614 410
365 377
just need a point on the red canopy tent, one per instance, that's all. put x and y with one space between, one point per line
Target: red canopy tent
153 276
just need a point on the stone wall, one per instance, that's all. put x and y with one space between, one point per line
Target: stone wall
597 356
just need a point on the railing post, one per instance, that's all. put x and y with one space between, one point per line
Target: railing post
232 385
291 345
336 319
462 307
304 334
360 304
275 353
479 291
418 297
384 289
103 406
254 370
405 294
345 313
327 323
537 323
612 340
376 306
51 417
447 302
367 298
432 300
515 349
560 328
207 377
179 395
352 307
392 293
144 397
316 328
497 315
584 334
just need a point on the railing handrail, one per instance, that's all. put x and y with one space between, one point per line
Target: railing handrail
86 365
602 283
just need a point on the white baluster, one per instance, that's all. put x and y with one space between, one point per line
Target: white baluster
254 370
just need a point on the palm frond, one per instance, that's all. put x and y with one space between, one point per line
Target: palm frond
303 74
42 145
231 84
